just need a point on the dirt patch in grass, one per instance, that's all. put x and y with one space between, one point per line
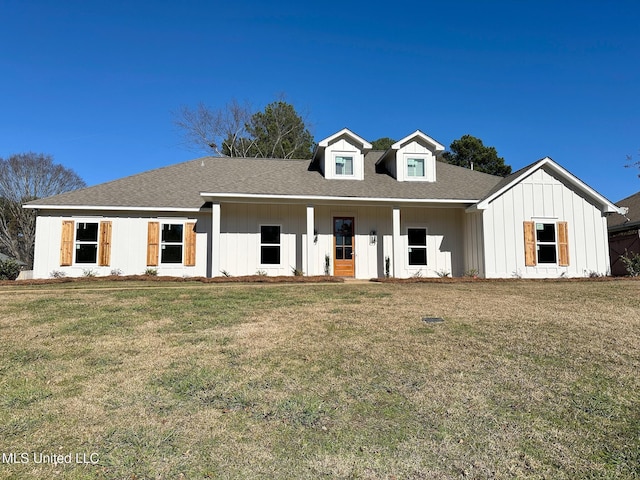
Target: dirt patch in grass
521 380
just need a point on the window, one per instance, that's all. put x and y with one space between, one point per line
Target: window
415 167
171 243
546 242
86 242
417 239
344 165
270 244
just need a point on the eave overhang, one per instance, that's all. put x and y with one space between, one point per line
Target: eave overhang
217 197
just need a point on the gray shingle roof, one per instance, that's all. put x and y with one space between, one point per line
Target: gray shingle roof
618 222
179 186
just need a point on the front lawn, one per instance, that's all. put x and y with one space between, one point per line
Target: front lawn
522 380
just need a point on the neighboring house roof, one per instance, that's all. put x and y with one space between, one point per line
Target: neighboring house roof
629 220
552 167
4 258
179 187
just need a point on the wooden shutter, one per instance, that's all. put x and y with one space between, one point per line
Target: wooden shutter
153 243
66 243
104 255
189 244
529 244
563 244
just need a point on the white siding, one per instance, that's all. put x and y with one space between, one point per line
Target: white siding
473 244
240 237
128 245
445 245
543 197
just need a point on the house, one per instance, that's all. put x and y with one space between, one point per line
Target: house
624 233
350 211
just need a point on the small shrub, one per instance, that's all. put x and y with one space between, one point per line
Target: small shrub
225 273
297 272
261 273
327 265
517 274
116 272
152 272
593 274
387 267
57 274
443 273
89 272
417 274
472 273
631 262
9 269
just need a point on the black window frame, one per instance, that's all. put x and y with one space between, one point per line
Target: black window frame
417 252
270 244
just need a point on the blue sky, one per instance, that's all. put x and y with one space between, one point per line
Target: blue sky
95 83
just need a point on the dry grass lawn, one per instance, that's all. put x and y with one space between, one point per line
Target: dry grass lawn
521 380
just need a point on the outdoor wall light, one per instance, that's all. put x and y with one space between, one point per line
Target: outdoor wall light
315 235
373 236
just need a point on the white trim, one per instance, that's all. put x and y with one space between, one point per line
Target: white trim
345 131
170 221
77 242
309 267
112 208
418 134
415 156
334 165
394 201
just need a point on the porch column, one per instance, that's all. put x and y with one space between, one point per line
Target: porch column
310 241
215 239
397 247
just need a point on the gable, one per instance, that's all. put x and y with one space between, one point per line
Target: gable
543 174
341 156
413 158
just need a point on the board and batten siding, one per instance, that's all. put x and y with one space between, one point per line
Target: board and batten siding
240 237
122 244
542 197
473 244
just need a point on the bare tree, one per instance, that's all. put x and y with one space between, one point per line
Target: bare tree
234 131
25 177
632 164
221 132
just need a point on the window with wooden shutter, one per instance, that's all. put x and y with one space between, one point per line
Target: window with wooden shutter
105 244
66 243
563 244
153 240
190 244
529 244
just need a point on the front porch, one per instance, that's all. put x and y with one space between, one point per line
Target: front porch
352 241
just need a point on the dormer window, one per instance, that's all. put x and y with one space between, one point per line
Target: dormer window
341 156
415 167
344 165
412 159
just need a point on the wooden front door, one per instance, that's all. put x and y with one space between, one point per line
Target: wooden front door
344 254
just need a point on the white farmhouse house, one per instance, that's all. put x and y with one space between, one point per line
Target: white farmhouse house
350 211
